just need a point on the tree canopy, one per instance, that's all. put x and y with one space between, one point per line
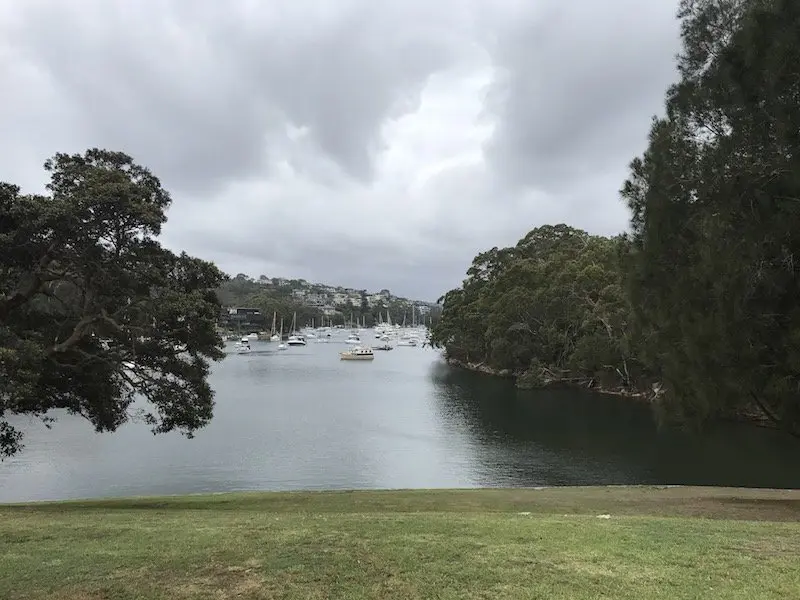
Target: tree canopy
93 310
716 217
703 297
550 308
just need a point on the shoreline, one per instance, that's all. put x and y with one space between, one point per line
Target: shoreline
753 419
483 369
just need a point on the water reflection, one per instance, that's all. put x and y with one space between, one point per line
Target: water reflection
302 419
573 437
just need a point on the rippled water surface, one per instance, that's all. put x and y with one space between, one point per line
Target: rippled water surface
303 419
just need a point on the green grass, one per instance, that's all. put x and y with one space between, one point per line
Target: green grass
658 543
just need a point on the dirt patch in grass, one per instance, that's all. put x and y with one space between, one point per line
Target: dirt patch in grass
222 583
789 549
80 595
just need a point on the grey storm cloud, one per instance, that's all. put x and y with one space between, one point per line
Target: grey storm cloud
204 92
577 80
373 144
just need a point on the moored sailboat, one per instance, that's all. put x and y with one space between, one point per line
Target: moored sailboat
295 338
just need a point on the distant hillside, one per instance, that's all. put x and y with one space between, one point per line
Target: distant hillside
318 303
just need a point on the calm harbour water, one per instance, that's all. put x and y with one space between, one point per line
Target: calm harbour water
303 419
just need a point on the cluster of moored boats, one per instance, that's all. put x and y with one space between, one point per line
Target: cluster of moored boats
388 336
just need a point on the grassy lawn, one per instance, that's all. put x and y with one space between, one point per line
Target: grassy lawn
658 543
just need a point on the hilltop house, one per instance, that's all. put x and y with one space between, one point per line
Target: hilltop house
374 300
329 310
315 299
242 319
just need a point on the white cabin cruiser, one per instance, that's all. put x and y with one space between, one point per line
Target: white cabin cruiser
296 340
357 353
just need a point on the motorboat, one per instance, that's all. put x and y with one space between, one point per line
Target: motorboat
357 353
243 345
296 340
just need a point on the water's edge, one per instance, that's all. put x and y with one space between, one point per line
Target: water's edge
750 418
555 383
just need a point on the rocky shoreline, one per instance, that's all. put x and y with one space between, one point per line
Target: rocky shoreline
524 383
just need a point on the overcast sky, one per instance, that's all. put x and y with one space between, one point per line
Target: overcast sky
357 142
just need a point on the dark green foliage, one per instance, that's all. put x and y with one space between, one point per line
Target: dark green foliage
241 291
285 308
237 290
703 302
93 310
716 218
550 308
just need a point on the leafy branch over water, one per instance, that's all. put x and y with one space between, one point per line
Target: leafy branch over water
93 310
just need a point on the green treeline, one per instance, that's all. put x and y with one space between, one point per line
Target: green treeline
698 306
553 307
243 291
280 300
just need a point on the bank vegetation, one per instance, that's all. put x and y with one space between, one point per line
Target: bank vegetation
697 307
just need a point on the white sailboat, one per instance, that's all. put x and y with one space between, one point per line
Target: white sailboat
309 331
295 339
281 346
274 337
